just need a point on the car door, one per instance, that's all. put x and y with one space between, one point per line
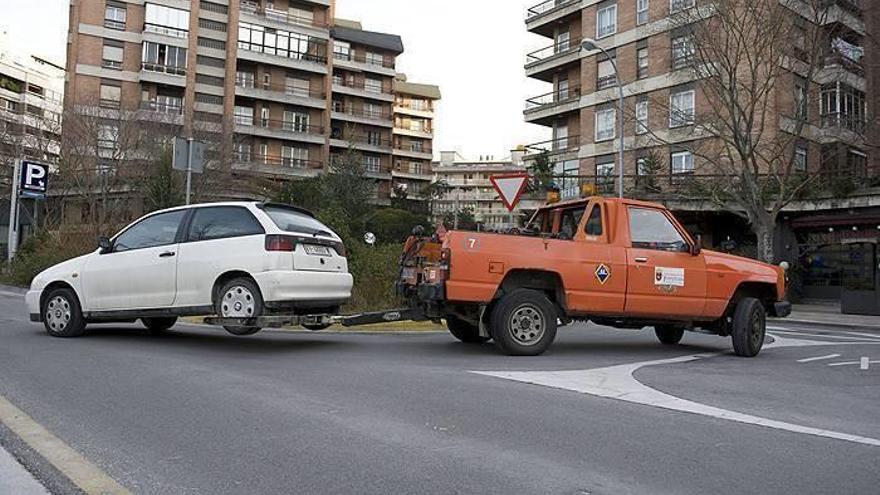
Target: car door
140 270
602 272
664 279
220 239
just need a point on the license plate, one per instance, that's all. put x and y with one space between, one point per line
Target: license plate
317 250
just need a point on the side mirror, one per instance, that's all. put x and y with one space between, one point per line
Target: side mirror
105 245
697 248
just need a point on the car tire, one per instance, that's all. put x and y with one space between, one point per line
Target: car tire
240 298
523 323
669 334
749 327
61 313
464 331
157 326
316 328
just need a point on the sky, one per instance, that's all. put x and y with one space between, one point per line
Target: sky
473 49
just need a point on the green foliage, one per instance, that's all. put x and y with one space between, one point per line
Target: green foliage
305 193
652 166
375 271
163 187
541 171
466 219
393 225
38 252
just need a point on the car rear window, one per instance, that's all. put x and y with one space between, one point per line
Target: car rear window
294 221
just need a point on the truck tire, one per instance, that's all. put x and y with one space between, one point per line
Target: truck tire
464 331
669 334
524 323
749 327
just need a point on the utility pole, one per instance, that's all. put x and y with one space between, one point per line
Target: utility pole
189 169
12 237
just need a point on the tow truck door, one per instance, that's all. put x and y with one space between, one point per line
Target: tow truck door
663 278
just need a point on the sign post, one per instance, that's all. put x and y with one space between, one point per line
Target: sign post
29 180
189 156
510 188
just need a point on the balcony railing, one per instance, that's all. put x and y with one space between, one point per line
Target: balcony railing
280 15
413 149
316 51
167 108
167 69
558 145
363 59
837 59
360 86
554 98
166 30
295 163
362 139
361 112
545 7
554 50
844 121
280 125
286 89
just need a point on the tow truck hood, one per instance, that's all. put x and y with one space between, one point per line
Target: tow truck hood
727 262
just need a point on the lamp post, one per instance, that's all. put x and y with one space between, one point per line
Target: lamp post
591 45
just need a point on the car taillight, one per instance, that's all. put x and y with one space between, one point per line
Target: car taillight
280 243
340 248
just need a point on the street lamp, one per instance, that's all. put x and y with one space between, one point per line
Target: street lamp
591 45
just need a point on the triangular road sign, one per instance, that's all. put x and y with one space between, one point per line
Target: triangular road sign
510 187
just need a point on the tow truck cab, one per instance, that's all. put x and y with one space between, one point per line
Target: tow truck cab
617 262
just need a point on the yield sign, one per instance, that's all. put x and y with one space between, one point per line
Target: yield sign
510 187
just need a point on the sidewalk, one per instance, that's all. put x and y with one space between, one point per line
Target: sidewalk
14 478
829 314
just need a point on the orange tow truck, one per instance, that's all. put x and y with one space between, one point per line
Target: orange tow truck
616 262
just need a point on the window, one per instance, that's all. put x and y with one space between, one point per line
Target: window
606 21
114 16
607 76
281 43
375 59
843 106
264 153
642 166
374 138
683 51
801 107
642 115
605 175
605 124
641 12
264 117
372 164
651 229
560 136
244 79
154 231
372 110
800 159
223 222
110 96
341 50
112 55
164 58
594 222
166 20
563 41
242 152
212 25
168 104
679 5
296 121
243 115
298 87
301 15
294 156
682 162
290 220
682 108
108 141
372 85
642 62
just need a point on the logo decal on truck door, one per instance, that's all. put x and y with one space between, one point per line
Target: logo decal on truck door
669 277
603 273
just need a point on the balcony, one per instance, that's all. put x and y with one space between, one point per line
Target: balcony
359 62
425 132
413 150
541 108
541 18
281 93
360 116
279 16
314 59
556 146
360 142
415 110
171 75
541 64
280 129
276 166
347 87
844 122
168 113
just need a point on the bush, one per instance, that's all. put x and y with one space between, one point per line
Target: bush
38 252
375 270
394 226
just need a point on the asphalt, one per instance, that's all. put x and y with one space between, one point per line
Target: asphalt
199 411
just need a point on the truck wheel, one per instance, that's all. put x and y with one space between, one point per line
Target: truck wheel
669 334
62 315
464 331
158 325
749 327
524 323
239 298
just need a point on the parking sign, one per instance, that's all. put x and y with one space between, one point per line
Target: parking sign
34 179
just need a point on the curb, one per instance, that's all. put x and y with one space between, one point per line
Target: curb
860 326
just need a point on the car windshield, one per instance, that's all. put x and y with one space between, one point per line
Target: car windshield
294 221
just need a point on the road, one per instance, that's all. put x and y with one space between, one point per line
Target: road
198 411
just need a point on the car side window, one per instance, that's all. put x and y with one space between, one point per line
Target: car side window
570 221
223 222
651 229
594 222
157 230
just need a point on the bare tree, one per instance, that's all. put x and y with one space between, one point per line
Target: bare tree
754 66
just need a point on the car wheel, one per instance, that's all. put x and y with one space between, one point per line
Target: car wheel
240 298
669 334
62 315
317 328
749 327
524 323
158 325
464 331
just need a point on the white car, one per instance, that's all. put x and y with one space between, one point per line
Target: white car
235 260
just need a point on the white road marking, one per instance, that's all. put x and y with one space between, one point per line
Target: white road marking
864 363
818 358
829 336
619 382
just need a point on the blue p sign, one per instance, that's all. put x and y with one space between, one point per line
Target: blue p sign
34 177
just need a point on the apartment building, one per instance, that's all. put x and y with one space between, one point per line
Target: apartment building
289 85
653 55
413 135
470 188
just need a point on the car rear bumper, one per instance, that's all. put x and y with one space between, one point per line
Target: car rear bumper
780 309
304 287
